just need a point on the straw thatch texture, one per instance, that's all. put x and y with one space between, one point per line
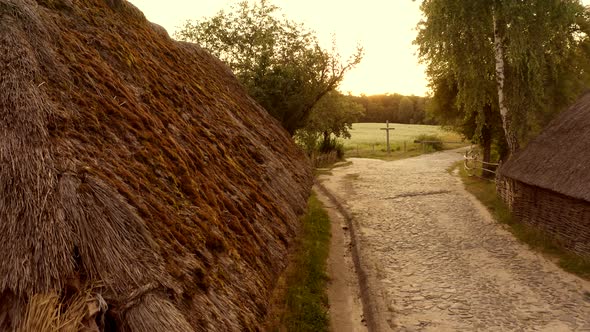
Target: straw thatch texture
547 184
135 173
559 158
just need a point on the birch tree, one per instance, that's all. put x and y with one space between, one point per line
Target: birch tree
503 55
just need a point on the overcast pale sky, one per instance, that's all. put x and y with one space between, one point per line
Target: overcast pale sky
385 28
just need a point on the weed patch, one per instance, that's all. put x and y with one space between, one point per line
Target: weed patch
305 306
432 142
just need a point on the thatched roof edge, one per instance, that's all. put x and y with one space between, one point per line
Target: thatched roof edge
558 159
136 176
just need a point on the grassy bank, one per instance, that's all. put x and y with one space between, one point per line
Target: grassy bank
369 141
485 192
304 300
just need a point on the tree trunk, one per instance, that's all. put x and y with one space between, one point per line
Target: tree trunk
486 143
325 147
511 138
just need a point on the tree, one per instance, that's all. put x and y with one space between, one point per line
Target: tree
330 118
406 110
385 107
419 114
503 55
278 61
481 127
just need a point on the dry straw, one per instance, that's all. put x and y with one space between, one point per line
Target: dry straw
547 185
558 159
141 188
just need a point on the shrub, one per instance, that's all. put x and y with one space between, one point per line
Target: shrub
333 145
433 141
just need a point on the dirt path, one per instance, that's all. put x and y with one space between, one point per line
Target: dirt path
346 309
436 261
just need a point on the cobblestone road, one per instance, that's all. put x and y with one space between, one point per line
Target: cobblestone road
436 261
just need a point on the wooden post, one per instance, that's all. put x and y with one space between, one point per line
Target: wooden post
387 129
405 149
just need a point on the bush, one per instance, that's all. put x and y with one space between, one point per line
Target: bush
331 146
433 141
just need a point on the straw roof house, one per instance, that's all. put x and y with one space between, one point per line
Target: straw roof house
548 183
141 189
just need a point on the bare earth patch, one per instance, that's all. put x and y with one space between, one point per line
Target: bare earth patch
346 310
436 261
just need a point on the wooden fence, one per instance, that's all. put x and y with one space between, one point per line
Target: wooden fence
472 163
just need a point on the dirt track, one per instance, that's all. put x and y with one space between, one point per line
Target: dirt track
436 261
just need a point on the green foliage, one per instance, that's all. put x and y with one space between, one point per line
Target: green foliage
406 109
386 107
308 140
431 141
278 61
331 118
443 107
306 297
545 56
332 145
483 127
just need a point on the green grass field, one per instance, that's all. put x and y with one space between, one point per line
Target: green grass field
369 141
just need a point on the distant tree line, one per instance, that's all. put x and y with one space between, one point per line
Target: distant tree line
394 108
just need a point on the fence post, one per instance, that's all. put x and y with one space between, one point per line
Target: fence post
405 150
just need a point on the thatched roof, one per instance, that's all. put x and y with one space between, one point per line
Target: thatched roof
141 189
559 158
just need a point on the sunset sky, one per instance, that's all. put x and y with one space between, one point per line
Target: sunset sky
385 28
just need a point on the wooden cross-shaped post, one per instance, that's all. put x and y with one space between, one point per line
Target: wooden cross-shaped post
387 129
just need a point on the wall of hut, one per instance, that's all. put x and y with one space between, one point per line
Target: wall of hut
565 218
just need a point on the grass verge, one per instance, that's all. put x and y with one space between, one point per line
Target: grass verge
485 191
379 151
304 302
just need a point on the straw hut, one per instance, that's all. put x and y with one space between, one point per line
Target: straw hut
141 188
548 183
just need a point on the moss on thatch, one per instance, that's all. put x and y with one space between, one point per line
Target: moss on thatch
135 174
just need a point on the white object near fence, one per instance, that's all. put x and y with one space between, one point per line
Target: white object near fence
472 163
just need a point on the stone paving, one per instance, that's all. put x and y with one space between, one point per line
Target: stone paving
437 261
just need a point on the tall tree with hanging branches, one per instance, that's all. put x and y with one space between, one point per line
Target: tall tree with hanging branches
504 55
